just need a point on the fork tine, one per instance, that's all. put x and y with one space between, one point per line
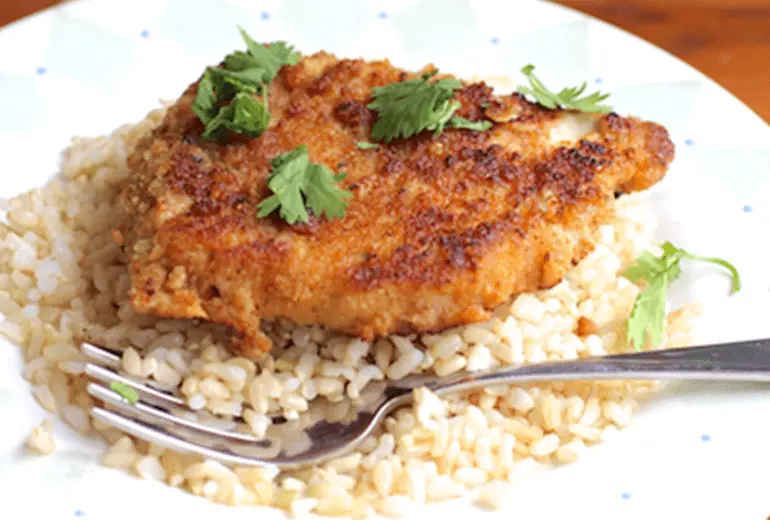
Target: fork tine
107 376
170 441
102 355
160 416
111 359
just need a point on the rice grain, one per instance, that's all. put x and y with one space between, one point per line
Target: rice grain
41 440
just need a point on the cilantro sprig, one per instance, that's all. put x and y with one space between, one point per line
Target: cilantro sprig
409 107
296 183
567 98
226 98
648 315
125 391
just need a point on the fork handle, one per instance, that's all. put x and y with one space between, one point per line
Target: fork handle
737 361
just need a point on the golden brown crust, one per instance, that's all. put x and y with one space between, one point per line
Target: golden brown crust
439 230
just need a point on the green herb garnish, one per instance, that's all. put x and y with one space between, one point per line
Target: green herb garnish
567 98
267 59
297 183
245 115
649 312
461 122
226 96
408 107
125 391
366 145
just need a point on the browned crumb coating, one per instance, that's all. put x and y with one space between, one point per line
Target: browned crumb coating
439 229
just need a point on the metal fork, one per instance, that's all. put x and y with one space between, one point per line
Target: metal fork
164 419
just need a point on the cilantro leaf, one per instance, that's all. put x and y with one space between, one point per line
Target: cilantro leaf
225 96
212 91
567 98
285 53
443 117
297 183
125 391
366 145
461 122
240 60
408 107
286 180
246 80
648 315
269 59
322 193
250 116
246 115
203 105
645 264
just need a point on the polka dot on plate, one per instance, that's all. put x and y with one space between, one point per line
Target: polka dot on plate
747 209
705 437
40 71
264 16
598 81
494 41
626 496
382 15
689 142
145 34
79 513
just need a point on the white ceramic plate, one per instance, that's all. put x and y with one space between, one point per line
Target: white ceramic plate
700 451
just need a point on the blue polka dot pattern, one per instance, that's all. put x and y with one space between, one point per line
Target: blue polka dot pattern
40 71
747 208
382 15
494 41
705 437
79 513
264 16
145 34
689 142
598 81
626 496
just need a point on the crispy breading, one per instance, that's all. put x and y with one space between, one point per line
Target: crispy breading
439 230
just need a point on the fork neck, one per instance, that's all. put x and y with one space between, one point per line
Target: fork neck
740 361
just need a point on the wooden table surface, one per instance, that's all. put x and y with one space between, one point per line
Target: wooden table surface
728 40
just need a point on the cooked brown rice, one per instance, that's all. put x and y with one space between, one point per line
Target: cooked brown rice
62 279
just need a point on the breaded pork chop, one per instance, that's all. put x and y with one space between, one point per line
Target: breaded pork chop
439 229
